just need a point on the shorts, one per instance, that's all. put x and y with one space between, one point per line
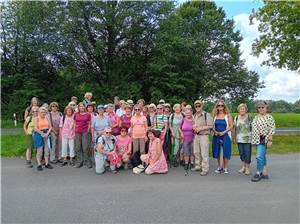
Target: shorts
187 148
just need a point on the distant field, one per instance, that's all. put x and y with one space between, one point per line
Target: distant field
14 145
281 120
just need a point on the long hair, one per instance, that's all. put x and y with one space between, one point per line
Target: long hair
215 111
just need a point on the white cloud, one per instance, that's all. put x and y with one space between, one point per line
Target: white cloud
279 83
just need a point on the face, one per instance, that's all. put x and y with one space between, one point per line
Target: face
109 109
81 107
220 106
107 133
89 97
35 111
116 101
123 132
159 109
137 110
69 111
188 114
90 109
167 109
242 111
54 108
145 110
198 107
43 113
100 111
151 109
262 110
34 101
151 136
128 111
74 100
177 109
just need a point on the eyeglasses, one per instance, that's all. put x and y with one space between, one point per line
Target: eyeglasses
35 111
220 105
54 106
123 130
261 107
159 108
137 109
108 132
197 106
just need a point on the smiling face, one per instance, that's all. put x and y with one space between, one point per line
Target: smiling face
69 111
198 107
188 113
34 101
159 109
90 109
242 111
151 135
128 111
123 132
137 110
81 108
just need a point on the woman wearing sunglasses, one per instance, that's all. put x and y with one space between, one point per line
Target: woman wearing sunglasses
138 130
223 123
28 129
122 152
105 147
263 129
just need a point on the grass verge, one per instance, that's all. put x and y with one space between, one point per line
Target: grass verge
15 145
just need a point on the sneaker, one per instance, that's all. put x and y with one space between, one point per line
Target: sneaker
64 163
219 170
39 168
226 171
256 178
196 169
53 161
203 173
242 170
48 166
114 171
89 165
60 160
72 163
79 165
29 164
265 176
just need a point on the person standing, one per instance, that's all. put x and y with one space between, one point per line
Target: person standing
87 98
223 123
28 129
263 129
55 116
242 137
42 138
33 103
202 126
67 130
82 127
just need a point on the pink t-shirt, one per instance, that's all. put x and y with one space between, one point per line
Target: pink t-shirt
125 121
114 119
68 130
122 144
139 126
82 122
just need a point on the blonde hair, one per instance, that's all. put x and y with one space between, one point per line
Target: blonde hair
242 105
88 94
215 110
67 108
176 105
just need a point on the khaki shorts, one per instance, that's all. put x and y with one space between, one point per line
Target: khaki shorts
29 142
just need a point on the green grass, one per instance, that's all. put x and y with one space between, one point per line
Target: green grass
15 145
10 124
283 120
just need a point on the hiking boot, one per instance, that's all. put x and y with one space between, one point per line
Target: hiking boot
195 169
79 165
29 164
48 166
64 163
39 168
203 173
53 161
256 178
242 170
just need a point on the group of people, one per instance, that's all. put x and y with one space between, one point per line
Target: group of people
146 138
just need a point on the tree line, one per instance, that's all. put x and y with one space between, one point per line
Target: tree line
133 49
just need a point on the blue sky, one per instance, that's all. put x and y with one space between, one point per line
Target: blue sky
279 83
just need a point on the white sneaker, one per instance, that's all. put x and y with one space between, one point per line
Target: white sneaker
138 169
226 171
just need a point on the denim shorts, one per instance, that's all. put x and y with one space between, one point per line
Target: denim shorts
187 148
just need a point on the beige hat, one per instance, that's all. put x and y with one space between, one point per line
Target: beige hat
130 102
167 105
197 102
152 105
161 101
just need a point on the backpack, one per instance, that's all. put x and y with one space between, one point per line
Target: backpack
103 141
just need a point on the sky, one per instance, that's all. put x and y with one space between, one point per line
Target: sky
280 84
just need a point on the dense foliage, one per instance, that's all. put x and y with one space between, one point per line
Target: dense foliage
134 49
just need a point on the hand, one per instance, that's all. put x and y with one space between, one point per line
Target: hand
194 127
222 133
269 144
216 133
146 139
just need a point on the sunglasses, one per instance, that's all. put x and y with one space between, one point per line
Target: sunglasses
220 105
108 132
261 107
35 111
137 109
197 106
123 130
159 108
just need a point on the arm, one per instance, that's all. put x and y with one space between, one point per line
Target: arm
129 149
25 125
26 114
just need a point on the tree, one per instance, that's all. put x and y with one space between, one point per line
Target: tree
280 31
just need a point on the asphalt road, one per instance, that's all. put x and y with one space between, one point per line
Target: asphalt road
71 195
